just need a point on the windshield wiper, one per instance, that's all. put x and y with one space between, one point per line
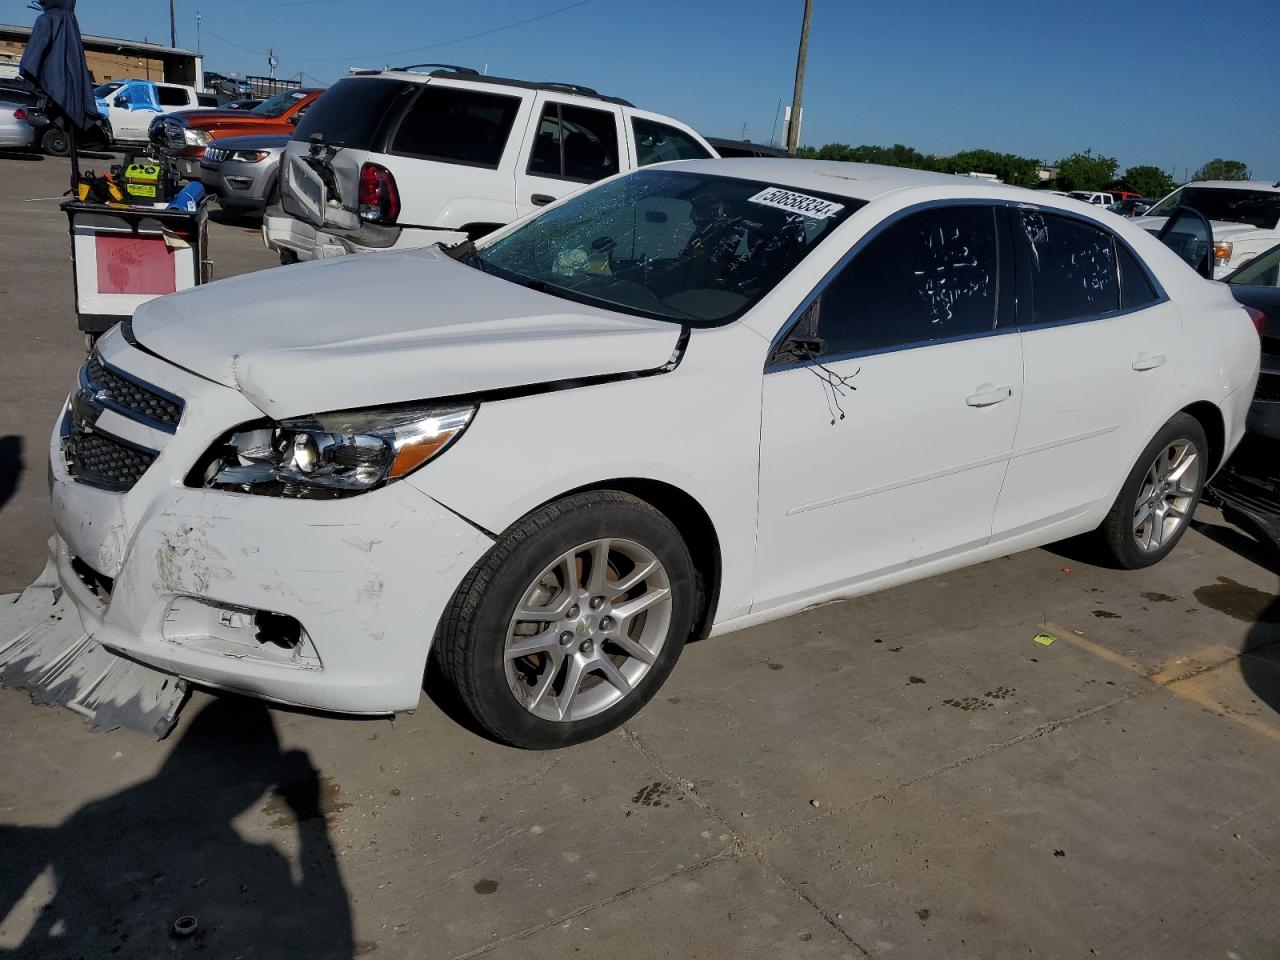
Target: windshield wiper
465 252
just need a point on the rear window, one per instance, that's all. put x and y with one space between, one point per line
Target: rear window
1259 208
457 126
657 143
351 111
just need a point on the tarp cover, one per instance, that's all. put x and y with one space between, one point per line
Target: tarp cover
54 63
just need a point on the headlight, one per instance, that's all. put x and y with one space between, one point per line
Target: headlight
196 138
333 454
249 156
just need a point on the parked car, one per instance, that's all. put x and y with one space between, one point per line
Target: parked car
130 105
691 399
15 131
209 100
405 158
745 148
1249 486
1245 215
55 141
184 136
242 172
1132 206
1090 196
247 104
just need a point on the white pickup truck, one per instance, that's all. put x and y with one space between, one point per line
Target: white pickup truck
1245 215
131 105
409 157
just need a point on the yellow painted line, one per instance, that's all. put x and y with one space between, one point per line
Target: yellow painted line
1191 677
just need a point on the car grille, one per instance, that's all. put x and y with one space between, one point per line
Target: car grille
215 154
1268 388
130 397
101 460
97 457
168 133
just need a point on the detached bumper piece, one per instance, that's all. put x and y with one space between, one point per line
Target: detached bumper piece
45 650
1248 490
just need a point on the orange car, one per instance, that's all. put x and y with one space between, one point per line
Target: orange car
185 134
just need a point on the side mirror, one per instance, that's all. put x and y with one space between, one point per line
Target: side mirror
120 102
1188 234
295 118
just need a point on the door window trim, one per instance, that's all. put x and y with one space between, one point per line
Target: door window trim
1018 308
560 105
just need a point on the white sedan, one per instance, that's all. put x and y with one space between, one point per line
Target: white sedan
688 400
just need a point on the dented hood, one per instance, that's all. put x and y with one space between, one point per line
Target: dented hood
377 328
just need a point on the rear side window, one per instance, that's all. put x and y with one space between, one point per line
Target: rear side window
1135 289
1072 267
172 96
657 142
930 276
351 111
457 126
575 143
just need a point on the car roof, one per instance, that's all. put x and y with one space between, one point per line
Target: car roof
861 181
419 74
1268 185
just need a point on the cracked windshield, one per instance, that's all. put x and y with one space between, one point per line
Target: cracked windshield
695 249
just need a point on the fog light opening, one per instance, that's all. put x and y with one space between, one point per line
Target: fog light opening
278 630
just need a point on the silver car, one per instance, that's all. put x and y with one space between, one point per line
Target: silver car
14 129
242 171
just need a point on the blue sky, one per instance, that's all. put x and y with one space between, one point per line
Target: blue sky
1165 83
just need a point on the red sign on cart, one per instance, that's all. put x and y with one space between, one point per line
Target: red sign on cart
139 265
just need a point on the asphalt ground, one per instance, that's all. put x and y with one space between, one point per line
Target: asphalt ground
906 775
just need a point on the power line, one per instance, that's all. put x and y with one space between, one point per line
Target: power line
445 43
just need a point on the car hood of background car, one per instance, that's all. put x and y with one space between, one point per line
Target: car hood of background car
378 328
1222 229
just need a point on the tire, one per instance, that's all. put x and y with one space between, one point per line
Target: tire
542 564
287 256
55 142
1134 540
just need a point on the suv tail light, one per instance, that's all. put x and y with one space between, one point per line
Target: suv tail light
20 114
379 197
1258 317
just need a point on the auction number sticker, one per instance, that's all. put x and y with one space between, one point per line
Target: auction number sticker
800 203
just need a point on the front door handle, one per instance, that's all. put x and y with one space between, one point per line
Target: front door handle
989 395
1148 361
542 199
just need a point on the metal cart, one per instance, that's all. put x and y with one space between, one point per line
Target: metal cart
123 256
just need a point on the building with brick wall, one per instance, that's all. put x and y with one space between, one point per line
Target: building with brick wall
111 58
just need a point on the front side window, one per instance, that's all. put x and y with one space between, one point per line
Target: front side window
575 143
172 96
1072 267
933 275
685 247
658 142
1258 208
457 126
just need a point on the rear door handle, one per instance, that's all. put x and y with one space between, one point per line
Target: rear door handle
988 396
542 199
1148 361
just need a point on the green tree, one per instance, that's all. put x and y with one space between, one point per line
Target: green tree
1012 169
1219 169
1148 181
1084 171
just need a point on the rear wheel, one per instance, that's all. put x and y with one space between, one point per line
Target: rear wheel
1159 496
55 142
572 622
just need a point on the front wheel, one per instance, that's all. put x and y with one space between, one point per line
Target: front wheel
572 622
1154 507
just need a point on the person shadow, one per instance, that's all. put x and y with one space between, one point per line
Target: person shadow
11 466
159 868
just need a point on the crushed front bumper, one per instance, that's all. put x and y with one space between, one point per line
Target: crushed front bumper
180 578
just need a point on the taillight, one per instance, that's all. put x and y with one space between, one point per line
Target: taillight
379 198
1258 317
20 114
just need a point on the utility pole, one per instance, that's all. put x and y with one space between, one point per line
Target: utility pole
793 125
198 18
173 27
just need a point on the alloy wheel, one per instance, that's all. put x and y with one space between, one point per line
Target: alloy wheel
1167 495
588 630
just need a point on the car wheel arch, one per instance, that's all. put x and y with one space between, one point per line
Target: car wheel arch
1209 416
693 521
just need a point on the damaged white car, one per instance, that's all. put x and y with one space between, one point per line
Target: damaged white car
691 399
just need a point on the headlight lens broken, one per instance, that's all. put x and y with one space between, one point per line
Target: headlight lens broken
333 454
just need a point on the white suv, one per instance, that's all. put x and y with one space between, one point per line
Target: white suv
1245 215
413 156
